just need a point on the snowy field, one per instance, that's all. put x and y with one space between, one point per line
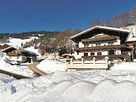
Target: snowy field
115 85
85 86
16 42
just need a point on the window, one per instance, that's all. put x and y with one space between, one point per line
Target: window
92 54
99 53
85 54
111 52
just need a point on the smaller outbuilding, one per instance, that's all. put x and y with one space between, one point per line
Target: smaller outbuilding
18 56
3 46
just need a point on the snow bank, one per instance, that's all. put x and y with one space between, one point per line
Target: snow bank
73 87
125 66
83 86
50 66
22 70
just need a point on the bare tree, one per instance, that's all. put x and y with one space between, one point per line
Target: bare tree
133 14
76 31
119 20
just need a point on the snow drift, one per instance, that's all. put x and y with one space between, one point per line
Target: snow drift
92 86
18 69
50 66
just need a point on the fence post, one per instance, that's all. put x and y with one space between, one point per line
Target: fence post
71 60
82 60
106 59
94 59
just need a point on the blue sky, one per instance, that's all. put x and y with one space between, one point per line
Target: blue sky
52 15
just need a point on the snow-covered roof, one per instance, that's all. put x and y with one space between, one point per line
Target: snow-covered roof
100 27
22 50
131 39
8 48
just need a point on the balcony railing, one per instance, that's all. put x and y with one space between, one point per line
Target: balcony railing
95 48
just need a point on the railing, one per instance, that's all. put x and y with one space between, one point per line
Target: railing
100 47
88 64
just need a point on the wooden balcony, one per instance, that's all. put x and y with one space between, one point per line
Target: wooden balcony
100 48
102 65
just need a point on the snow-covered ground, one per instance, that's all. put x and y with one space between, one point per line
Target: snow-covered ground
32 49
115 85
16 42
50 66
85 86
125 66
21 70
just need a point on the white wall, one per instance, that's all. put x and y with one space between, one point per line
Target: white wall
104 52
117 42
118 52
78 55
103 44
17 58
80 45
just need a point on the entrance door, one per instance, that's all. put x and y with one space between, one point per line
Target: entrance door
111 52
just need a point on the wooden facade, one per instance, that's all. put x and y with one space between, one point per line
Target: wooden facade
100 48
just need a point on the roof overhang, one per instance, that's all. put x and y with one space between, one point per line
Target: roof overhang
8 48
101 29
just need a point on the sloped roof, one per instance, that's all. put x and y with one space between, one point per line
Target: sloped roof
84 34
4 46
11 48
6 49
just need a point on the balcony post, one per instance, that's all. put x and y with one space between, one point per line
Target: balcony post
106 59
82 59
71 61
94 59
